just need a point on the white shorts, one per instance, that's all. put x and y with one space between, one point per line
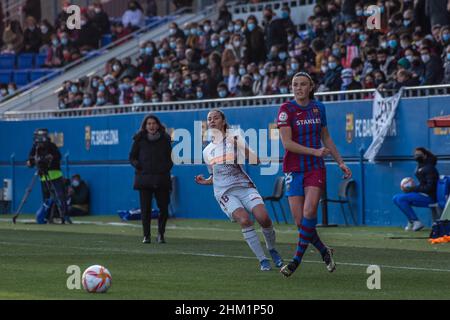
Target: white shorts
239 197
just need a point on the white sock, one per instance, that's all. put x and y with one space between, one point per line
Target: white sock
269 237
253 242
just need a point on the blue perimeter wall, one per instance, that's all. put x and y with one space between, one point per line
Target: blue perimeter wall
106 169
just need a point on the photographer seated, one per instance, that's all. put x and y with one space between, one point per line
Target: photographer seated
46 157
78 193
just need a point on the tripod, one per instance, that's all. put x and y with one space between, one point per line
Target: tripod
56 199
25 196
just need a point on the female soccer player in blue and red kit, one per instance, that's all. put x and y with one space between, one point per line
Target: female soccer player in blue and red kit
303 126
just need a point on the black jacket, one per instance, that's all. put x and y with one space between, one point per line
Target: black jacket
428 177
41 151
152 161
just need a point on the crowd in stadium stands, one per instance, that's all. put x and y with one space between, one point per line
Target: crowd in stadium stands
61 45
236 58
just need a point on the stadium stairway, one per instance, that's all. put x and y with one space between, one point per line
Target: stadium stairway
43 96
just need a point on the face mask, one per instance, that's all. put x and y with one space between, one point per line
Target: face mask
251 27
124 86
173 45
44 29
4 92
284 90
425 58
237 28
349 30
282 55
336 52
64 41
332 65
116 67
359 13
162 52
446 37
172 31
62 105
187 33
87 102
158 66
214 43
222 93
100 101
222 40
55 42
166 66
294 66
137 99
97 10
231 28
101 88
187 82
448 56
206 28
242 71
410 58
324 69
199 94
290 72
236 44
155 100
200 32
262 72
418 43
346 81
362 37
284 14
383 44
74 89
203 61
393 44
256 77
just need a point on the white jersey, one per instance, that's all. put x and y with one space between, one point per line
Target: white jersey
224 160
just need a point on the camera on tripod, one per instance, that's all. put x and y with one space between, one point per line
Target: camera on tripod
42 159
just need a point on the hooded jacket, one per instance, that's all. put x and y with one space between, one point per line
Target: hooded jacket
152 161
428 177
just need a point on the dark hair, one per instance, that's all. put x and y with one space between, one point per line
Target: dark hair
430 156
306 75
162 128
225 127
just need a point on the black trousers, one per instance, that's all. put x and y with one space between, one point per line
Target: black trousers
162 200
55 188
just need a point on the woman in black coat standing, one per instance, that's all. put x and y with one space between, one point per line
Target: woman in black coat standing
150 155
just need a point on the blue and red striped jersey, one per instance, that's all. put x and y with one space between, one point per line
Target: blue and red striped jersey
306 123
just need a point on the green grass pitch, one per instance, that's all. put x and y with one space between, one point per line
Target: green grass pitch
208 259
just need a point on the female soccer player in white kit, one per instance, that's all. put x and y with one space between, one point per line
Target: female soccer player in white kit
234 190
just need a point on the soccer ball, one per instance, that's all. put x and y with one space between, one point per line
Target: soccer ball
96 279
407 184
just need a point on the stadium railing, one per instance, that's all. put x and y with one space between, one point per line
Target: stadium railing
30 94
180 106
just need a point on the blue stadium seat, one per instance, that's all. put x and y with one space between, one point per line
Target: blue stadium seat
7 61
106 39
40 60
21 77
25 61
38 74
5 76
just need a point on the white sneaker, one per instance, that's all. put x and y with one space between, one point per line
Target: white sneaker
409 226
417 225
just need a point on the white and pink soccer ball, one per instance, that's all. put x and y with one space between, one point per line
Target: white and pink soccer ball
407 184
96 279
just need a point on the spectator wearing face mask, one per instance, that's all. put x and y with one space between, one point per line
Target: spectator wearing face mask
275 29
232 55
46 35
254 36
78 197
446 79
245 88
332 78
32 38
348 81
100 19
54 53
234 79
133 17
87 100
433 67
222 91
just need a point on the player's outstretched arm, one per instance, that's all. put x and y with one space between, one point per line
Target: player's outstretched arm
329 144
201 180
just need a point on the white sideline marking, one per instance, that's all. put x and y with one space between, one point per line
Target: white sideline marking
216 256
